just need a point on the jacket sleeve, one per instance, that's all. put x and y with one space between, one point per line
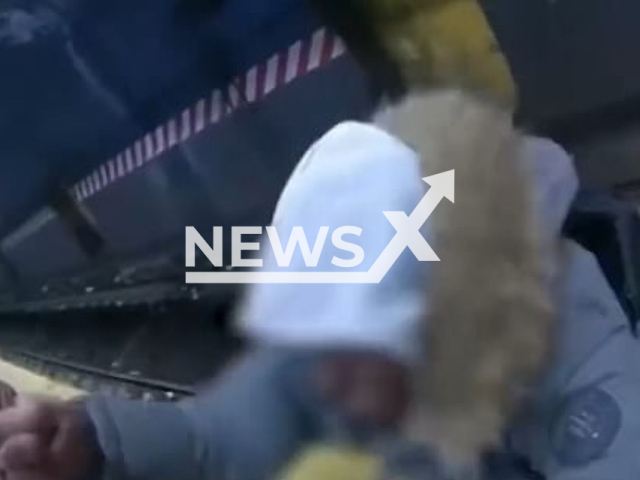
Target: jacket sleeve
244 426
586 423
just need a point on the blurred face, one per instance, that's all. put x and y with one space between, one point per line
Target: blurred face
368 387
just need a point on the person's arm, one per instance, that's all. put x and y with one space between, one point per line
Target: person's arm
145 440
246 425
593 430
587 423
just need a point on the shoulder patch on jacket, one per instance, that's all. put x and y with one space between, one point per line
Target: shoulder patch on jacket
585 426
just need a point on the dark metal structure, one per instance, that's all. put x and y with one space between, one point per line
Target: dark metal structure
121 123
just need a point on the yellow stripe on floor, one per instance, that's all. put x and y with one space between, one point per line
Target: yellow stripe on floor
25 381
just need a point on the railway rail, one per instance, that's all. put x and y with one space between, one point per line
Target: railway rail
97 380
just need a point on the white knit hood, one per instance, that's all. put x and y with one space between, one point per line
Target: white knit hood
349 178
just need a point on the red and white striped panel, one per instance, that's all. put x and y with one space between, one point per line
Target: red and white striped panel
282 68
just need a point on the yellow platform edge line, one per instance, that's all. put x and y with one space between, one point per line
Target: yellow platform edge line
26 382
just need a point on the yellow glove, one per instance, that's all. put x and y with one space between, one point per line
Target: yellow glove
444 42
333 463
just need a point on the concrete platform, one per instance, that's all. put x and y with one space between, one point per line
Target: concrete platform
24 381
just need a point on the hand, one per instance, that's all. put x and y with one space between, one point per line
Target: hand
47 440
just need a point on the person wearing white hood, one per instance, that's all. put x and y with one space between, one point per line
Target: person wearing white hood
330 359
331 362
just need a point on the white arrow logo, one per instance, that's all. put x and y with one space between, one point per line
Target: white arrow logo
407 236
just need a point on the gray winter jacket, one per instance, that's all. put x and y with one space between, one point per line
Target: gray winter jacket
584 424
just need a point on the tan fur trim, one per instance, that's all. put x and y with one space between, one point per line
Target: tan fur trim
487 334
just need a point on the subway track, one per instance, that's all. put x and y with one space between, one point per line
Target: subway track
97 380
134 352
